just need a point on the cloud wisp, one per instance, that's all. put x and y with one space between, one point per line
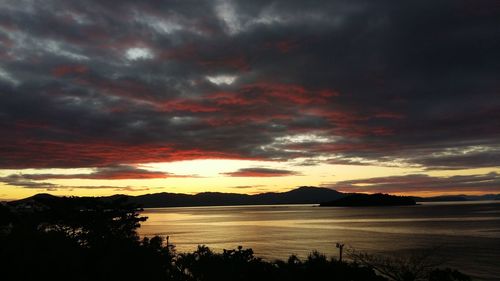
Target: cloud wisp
120 172
422 183
261 172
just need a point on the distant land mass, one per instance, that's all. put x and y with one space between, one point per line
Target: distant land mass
461 197
378 199
301 195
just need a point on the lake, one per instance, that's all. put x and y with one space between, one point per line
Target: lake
466 234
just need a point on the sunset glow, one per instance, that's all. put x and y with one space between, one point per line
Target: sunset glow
137 98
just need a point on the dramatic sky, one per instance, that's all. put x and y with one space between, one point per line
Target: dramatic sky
103 97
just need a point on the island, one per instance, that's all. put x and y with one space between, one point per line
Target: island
378 199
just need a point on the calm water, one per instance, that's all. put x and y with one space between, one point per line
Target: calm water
467 233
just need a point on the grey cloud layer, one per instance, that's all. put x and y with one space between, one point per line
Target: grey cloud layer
120 172
104 83
422 183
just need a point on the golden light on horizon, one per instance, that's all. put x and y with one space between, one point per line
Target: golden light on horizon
195 176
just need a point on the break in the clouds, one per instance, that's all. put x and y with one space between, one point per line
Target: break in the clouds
261 172
110 83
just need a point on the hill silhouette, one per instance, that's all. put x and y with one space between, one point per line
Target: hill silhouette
460 197
300 195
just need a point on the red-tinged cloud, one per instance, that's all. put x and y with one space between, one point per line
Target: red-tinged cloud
119 172
282 93
232 99
388 115
261 102
72 155
185 105
261 172
80 91
65 70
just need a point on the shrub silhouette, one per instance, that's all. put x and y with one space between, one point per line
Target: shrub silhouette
418 266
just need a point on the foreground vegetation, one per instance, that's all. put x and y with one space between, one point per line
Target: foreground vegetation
49 238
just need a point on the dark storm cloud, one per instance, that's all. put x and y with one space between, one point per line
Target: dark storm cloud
105 83
422 183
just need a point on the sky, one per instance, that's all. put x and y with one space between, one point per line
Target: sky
135 97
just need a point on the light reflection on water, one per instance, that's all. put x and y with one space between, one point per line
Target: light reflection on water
469 234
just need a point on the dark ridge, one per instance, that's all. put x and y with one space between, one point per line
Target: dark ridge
378 199
444 198
300 195
460 197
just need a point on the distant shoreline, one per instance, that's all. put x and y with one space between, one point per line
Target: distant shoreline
333 207
301 195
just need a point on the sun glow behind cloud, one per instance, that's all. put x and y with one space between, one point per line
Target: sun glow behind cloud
212 175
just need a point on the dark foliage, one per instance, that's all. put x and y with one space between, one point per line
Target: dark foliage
447 275
51 238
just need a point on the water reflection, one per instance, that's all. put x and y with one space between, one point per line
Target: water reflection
464 230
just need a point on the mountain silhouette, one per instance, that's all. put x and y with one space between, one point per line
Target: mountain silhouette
300 195
460 197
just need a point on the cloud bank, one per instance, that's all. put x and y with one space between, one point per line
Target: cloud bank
112 83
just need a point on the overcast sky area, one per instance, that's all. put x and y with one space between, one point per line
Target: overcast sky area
104 97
